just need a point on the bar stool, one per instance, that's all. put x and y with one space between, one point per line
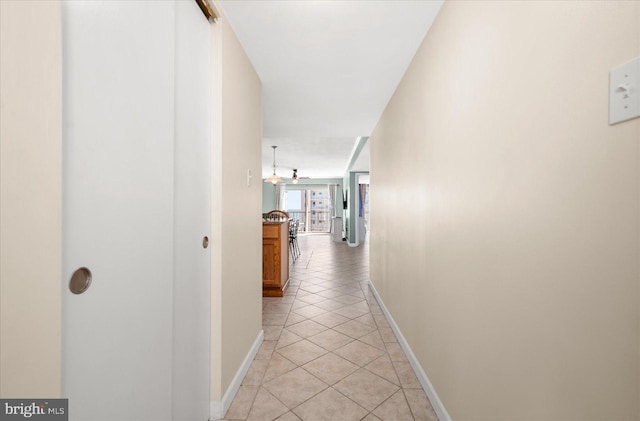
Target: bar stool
293 239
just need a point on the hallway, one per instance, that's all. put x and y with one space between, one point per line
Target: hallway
328 352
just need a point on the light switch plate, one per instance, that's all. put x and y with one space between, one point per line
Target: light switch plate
624 93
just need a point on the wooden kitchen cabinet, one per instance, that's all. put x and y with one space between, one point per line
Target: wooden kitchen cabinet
275 258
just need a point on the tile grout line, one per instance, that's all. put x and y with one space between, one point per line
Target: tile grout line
309 261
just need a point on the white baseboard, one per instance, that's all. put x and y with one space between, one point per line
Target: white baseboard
218 409
437 404
353 244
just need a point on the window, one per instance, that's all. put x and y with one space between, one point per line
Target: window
309 206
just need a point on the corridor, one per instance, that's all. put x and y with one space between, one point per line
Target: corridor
329 352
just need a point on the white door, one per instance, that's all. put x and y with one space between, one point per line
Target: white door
124 167
192 264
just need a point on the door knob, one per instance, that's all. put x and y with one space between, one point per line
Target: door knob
80 280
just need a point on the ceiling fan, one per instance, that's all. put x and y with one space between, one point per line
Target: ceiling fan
275 179
295 178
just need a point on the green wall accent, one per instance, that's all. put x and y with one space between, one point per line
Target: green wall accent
268 197
351 180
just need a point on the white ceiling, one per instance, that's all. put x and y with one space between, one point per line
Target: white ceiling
328 69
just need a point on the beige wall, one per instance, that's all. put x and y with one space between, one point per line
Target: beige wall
508 252
237 225
30 198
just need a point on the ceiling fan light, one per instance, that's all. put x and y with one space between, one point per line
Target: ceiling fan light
294 178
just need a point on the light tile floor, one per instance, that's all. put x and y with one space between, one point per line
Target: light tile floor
329 352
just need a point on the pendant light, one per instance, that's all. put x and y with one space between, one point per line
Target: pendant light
274 179
294 178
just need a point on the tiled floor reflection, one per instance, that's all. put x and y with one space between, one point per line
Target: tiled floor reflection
329 353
